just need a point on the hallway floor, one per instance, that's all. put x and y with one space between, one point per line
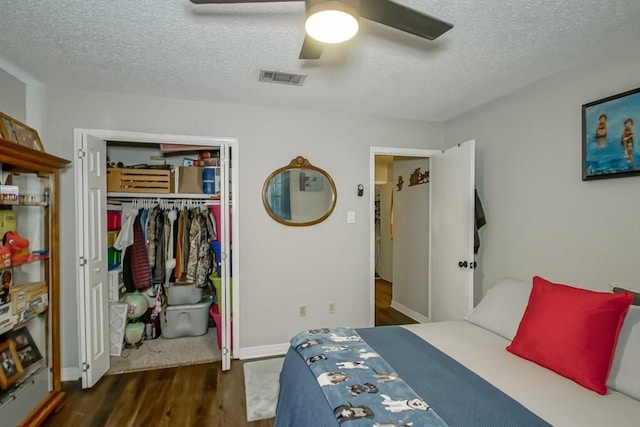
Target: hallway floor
385 315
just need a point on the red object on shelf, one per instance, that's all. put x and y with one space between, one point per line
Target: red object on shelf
18 246
215 211
217 318
114 220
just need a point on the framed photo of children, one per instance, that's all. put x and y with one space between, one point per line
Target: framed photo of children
10 366
26 348
608 136
15 131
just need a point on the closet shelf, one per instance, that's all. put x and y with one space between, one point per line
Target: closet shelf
34 258
25 382
17 203
127 196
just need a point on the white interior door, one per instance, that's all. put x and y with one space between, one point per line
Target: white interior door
225 251
91 216
451 232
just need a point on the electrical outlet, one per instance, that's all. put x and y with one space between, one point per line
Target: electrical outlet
302 310
332 307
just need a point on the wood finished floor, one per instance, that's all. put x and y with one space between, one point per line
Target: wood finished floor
385 315
188 396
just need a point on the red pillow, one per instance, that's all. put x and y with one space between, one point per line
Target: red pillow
571 331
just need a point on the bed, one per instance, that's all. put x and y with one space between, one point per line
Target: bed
462 370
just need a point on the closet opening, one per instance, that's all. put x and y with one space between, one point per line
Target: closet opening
167 204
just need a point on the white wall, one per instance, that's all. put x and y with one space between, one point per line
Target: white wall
411 239
385 259
281 267
541 217
13 101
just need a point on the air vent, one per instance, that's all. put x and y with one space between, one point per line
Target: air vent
280 77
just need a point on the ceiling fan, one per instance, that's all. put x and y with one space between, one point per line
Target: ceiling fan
340 19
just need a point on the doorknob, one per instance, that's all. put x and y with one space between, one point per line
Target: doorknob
462 264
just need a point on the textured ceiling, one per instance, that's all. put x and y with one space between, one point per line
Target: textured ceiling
175 49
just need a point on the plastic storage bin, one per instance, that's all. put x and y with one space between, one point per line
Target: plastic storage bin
114 220
113 258
215 246
217 283
112 236
217 318
180 295
215 210
189 320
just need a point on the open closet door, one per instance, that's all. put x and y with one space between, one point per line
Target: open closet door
452 180
91 219
224 300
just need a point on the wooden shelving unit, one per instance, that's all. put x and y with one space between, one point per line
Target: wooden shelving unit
30 399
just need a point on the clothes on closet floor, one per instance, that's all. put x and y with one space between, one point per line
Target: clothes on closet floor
166 244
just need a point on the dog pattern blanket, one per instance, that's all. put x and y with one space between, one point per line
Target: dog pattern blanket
361 386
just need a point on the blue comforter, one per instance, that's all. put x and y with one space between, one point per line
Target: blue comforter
459 396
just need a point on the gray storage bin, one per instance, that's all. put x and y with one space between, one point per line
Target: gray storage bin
190 320
180 295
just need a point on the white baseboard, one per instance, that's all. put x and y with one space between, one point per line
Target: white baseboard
70 374
261 351
408 312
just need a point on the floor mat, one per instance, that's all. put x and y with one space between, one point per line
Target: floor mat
167 353
261 387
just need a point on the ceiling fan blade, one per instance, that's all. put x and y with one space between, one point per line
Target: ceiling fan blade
311 48
403 18
237 1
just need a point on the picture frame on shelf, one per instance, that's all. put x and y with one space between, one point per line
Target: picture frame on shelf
608 149
10 367
6 129
18 132
26 348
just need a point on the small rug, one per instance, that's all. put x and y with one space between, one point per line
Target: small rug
167 353
261 382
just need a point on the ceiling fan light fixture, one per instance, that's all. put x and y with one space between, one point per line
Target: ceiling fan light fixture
331 22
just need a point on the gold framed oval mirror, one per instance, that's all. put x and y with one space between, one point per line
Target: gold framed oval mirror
299 194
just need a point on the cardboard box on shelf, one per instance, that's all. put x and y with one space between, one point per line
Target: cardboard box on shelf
23 296
190 180
7 221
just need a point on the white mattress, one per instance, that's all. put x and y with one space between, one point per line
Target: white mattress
559 401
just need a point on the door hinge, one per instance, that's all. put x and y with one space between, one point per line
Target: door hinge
85 366
83 261
225 351
81 154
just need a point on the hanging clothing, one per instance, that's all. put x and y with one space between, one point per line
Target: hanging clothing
186 227
480 221
175 228
139 258
178 242
160 258
195 236
125 236
152 236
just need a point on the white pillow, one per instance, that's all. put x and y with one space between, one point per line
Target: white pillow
501 309
625 370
